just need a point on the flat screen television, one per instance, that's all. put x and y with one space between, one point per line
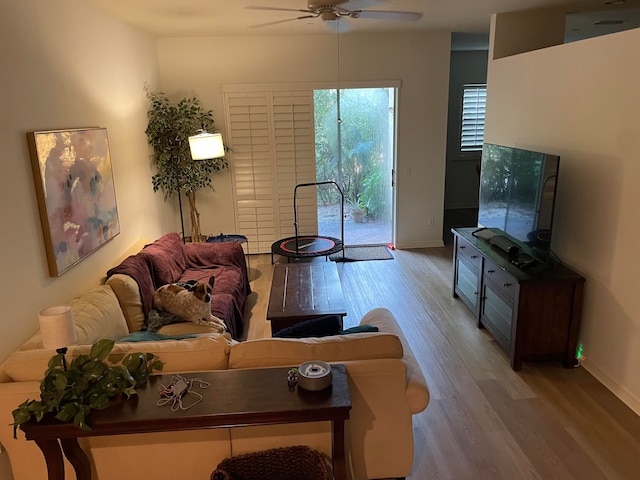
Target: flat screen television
517 195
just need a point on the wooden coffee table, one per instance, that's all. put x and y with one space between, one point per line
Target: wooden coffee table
304 291
234 398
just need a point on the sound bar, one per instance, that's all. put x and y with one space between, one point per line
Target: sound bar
504 244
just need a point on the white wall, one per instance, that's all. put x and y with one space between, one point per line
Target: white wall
581 101
67 65
421 61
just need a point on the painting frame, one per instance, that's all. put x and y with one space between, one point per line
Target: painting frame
76 194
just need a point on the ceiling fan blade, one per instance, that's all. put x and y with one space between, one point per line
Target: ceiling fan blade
258 7
390 15
268 24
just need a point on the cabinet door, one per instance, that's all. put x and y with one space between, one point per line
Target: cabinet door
467 283
497 314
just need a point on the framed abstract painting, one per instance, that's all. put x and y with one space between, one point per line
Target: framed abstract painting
76 194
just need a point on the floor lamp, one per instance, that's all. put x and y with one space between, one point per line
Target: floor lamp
203 146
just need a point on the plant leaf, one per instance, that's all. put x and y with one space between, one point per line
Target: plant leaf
101 349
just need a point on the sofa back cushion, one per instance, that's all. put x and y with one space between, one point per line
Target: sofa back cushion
270 352
128 293
96 314
197 354
167 258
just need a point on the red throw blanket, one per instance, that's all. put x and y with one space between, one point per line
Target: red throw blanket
168 260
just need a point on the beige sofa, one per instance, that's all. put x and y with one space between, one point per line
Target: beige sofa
386 384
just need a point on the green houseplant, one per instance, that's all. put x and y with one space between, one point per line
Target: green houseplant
168 131
88 383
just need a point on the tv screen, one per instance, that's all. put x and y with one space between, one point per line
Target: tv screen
517 194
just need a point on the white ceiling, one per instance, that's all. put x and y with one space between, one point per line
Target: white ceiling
190 18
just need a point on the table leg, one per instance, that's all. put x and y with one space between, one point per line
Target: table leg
337 450
53 456
77 458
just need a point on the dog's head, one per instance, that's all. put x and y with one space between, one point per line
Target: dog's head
202 291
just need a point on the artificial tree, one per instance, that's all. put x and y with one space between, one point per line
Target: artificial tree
170 126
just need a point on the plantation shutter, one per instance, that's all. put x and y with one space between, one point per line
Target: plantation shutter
271 134
474 99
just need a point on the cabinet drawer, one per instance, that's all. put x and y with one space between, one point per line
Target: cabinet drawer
467 282
497 314
503 281
468 251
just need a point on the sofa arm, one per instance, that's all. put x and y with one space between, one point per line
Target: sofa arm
417 390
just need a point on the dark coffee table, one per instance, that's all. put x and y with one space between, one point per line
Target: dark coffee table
304 291
235 398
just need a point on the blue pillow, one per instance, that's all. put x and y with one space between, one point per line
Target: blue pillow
143 336
359 329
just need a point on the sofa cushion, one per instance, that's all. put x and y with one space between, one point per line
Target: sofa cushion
128 293
269 352
96 315
167 257
197 354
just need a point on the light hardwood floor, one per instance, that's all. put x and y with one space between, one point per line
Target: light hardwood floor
484 421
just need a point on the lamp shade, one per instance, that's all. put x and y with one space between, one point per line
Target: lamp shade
56 327
206 145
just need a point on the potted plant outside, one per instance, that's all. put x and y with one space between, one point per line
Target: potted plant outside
359 211
168 131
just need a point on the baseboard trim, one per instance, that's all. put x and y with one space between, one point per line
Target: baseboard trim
429 244
618 390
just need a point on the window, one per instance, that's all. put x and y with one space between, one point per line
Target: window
474 98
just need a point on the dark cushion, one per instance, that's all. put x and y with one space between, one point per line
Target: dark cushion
316 327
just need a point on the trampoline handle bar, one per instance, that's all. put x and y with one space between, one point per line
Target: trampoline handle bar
295 208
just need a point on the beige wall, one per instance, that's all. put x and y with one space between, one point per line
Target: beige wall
66 65
580 101
420 61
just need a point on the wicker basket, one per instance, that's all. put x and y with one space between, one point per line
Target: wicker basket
288 463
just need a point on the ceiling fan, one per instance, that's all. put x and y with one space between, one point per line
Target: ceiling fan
329 10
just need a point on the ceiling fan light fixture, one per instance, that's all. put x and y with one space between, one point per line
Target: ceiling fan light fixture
328 15
329 10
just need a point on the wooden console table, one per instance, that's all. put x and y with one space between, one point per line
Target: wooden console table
303 291
235 398
533 314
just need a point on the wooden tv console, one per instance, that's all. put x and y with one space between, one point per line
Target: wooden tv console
534 314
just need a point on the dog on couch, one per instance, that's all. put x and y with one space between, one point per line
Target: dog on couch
190 301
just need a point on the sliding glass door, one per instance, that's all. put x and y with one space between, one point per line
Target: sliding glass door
354 138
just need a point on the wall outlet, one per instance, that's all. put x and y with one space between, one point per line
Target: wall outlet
430 221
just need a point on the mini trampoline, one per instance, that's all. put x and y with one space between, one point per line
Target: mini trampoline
308 246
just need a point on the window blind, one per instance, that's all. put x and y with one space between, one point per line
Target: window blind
474 99
271 134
